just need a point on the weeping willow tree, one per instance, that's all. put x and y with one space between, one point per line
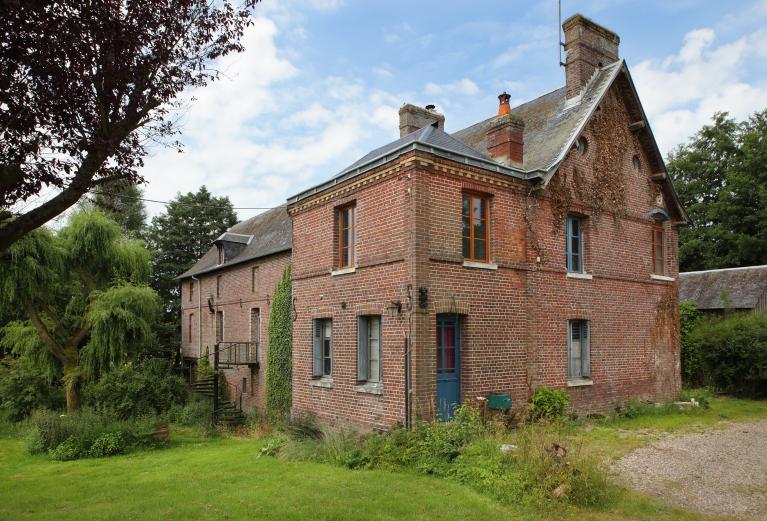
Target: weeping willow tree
84 293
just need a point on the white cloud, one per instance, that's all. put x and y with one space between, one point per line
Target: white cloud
383 71
681 92
464 86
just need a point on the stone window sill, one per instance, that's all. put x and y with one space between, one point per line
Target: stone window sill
480 265
325 382
662 277
580 382
581 276
344 271
370 388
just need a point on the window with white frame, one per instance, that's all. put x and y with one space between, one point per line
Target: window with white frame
578 352
369 349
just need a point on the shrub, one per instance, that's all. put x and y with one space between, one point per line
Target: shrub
702 396
85 434
733 353
148 388
197 412
548 403
24 387
692 362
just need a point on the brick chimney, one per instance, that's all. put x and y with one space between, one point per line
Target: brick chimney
589 46
412 118
505 138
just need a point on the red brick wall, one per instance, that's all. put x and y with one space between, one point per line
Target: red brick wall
236 301
514 316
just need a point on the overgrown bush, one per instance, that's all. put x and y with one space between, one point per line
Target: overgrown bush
534 470
733 353
86 434
549 404
197 412
692 362
24 387
148 388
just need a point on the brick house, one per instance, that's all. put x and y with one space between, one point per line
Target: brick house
536 247
226 296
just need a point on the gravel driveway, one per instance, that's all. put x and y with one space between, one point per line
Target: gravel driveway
717 472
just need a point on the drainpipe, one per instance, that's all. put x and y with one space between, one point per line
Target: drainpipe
199 316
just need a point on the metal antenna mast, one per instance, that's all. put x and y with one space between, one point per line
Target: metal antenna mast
559 32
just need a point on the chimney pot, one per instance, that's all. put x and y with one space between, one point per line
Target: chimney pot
504 107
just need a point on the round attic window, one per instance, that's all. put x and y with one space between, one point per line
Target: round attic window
582 145
636 163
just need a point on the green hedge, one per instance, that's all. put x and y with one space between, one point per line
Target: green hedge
730 354
279 365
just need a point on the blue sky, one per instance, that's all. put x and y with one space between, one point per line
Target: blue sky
321 80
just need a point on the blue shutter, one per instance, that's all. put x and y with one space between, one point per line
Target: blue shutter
585 351
363 349
570 326
317 349
568 240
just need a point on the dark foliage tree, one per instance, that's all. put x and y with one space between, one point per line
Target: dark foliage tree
721 178
121 201
83 291
86 84
178 238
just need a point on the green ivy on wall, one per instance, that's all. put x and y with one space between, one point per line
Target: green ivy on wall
279 358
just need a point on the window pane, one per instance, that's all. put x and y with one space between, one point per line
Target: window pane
480 250
480 229
466 206
448 336
449 359
467 247
478 208
465 227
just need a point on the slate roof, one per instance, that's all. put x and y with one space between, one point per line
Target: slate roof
745 288
430 139
551 124
272 233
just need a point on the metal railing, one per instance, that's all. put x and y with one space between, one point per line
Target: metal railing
236 353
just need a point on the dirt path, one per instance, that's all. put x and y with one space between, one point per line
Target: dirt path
717 472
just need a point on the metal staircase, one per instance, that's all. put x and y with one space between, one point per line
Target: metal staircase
227 406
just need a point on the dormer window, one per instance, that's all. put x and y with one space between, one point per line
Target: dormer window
230 245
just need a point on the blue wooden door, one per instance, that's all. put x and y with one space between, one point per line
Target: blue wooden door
448 366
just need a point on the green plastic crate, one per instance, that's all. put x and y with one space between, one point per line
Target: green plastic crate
499 402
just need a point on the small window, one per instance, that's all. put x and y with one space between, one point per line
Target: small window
218 286
474 214
244 386
574 244
322 351
253 279
369 349
636 164
220 254
347 236
582 145
658 259
578 350
219 326
189 328
191 291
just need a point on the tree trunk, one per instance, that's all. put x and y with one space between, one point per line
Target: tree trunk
73 385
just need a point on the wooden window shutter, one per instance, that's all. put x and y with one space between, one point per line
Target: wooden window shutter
363 349
317 350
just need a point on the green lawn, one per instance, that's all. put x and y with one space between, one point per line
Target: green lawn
211 479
